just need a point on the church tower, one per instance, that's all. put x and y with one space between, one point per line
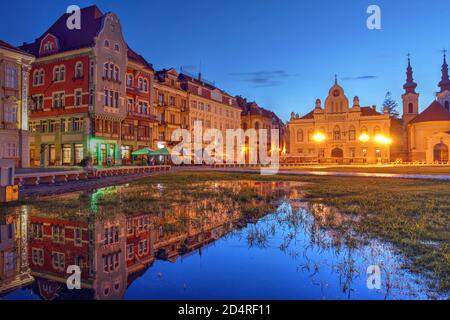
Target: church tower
443 96
410 98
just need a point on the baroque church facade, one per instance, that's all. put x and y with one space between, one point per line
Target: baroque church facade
338 132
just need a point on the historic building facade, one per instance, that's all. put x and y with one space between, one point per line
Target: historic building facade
140 127
428 132
255 117
170 102
14 72
90 93
340 133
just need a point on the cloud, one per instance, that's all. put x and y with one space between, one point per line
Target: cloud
360 78
263 78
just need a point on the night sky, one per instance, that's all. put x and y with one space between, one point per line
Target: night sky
283 54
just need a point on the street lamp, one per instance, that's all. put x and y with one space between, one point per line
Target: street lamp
383 140
319 137
364 137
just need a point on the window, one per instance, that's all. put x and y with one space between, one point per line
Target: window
37 231
310 135
58 233
172 119
130 251
110 262
337 133
351 133
37 256
58 100
105 70
145 85
37 103
58 261
59 73
116 73
78 70
10 110
161 99
51 125
106 100
77 124
129 81
66 154
78 98
299 135
62 73
38 77
11 76
106 44
111 235
116 99
376 130
141 84
116 47
77 236
130 104
410 108
172 101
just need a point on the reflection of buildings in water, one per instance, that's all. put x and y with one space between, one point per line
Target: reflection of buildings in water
14 269
112 250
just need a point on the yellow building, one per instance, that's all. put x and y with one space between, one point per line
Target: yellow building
340 133
14 136
428 132
169 102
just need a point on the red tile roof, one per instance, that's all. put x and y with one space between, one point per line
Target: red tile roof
10 47
435 112
368 111
132 55
91 24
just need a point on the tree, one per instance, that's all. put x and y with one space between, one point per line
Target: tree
391 105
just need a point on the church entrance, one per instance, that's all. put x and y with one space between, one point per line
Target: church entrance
441 153
338 155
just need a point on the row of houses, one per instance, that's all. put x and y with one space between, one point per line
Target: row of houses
72 94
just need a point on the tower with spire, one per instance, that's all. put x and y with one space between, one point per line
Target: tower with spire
410 98
443 95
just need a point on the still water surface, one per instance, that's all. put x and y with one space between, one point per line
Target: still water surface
223 240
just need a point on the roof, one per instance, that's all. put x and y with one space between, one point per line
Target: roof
7 46
435 112
368 111
308 115
91 22
133 56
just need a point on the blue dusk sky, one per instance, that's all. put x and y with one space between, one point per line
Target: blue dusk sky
283 54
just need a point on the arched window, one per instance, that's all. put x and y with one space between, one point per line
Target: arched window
441 153
257 125
145 85
36 77
106 43
129 81
78 70
310 135
62 73
376 130
116 73
351 133
410 108
56 74
11 76
105 70
41 77
337 133
299 135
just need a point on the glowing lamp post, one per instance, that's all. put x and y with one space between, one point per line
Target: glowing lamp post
319 137
364 137
383 140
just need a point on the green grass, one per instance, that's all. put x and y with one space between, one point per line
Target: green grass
414 215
